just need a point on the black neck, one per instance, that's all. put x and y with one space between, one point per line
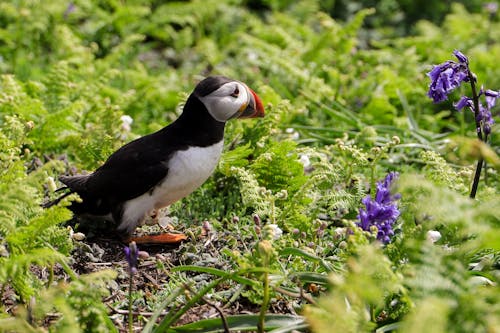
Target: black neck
196 126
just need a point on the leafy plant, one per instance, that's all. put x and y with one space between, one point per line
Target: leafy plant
276 229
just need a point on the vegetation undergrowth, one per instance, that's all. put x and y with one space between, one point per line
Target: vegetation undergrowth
345 209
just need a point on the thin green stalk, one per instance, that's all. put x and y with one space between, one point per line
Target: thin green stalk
130 314
64 265
51 276
372 180
164 304
273 210
265 304
172 316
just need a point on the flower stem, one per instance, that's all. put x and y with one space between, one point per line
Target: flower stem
475 98
130 314
265 304
479 166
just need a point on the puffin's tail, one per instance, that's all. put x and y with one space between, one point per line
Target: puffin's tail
57 200
75 184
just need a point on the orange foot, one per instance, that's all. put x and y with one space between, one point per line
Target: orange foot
165 238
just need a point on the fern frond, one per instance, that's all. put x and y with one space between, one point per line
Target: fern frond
251 191
439 171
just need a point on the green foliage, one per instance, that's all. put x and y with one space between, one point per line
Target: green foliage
345 103
31 238
77 304
431 280
357 295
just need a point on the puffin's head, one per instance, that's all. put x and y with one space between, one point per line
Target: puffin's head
226 99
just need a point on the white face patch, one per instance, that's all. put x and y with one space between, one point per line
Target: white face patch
225 102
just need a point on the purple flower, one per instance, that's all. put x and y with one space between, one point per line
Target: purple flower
461 57
491 7
485 118
463 102
448 76
70 9
382 211
131 254
491 97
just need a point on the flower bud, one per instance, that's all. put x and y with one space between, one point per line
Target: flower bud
265 248
131 254
257 230
30 125
256 219
206 228
51 184
282 195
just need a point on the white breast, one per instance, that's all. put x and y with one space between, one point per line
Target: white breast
187 170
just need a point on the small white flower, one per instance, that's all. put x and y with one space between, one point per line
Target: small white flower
274 230
433 236
127 119
252 56
304 159
126 122
294 135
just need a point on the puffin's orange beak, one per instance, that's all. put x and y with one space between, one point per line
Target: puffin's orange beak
254 107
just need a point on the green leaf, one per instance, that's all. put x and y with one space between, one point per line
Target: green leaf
242 323
230 276
311 277
306 255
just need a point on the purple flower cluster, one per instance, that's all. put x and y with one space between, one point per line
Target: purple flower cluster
484 116
132 255
382 211
448 76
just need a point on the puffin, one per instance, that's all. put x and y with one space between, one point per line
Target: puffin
158 169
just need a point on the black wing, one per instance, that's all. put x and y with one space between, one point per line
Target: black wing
132 170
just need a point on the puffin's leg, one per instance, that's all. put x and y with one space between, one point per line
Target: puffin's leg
162 238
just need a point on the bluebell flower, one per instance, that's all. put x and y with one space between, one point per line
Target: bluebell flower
463 102
447 76
484 116
132 255
461 57
382 211
491 97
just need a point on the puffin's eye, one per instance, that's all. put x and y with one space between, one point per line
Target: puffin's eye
235 93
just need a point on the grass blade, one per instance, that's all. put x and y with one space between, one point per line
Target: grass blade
242 323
